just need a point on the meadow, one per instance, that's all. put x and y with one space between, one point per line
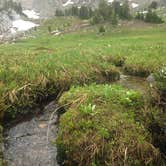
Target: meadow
44 65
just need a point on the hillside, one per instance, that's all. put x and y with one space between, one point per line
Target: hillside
8 12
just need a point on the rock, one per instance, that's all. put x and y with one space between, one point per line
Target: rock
29 143
5 22
150 78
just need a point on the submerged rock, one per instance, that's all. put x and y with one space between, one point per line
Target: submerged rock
150 78
29 143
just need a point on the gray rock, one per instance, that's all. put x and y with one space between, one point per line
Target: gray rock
29 143
150 78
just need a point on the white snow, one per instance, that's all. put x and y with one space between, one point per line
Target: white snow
31 14
144 12
134 5
69 2
110 1
21 25
13 30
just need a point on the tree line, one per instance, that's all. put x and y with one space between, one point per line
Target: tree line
104 12
150 16
109 12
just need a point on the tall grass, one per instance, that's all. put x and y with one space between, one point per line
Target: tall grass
37 67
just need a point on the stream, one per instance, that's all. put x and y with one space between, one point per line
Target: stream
29 143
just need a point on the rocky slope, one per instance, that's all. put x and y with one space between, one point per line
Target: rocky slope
12 21
7 14
5 22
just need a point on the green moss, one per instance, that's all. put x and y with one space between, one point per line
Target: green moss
100 128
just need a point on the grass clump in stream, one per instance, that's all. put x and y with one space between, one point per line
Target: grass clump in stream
100 128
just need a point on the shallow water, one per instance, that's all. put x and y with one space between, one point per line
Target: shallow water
27 144
136 83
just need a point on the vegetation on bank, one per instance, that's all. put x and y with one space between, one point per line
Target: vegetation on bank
159 88
105 125
35 68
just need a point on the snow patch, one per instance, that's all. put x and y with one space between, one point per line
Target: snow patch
21 25
110 1
69 2
144 12
134 5
13 30
31 14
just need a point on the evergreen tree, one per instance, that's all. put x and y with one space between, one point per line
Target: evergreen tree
125 11
139 16
74 11
153 5
114 19
59 13
152 17
116 6
97 18
84 12
102 29
104 10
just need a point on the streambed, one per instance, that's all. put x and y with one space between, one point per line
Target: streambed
28 143
132 82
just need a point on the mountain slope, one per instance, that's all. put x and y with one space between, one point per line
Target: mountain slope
9 10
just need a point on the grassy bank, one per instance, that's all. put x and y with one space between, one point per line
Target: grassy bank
105 125
32 69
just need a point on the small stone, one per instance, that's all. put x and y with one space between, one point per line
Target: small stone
42 125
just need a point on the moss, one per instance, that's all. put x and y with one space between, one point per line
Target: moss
100 128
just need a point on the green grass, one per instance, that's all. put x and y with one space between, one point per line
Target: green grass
102 127
35 68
